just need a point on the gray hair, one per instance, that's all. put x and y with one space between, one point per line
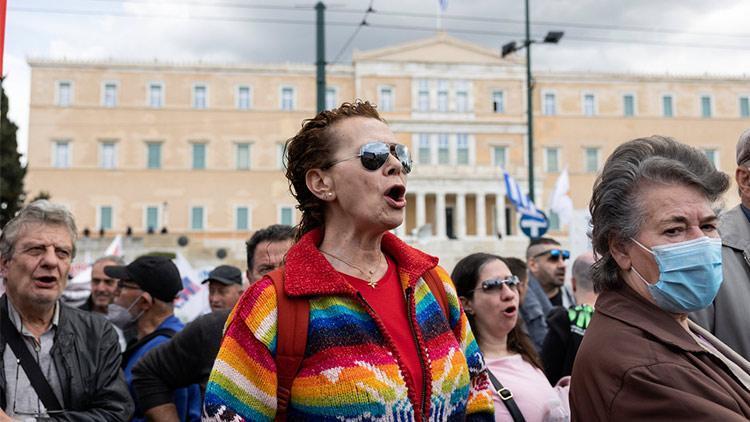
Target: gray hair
582 271
37 212
743 148
118 260
617 214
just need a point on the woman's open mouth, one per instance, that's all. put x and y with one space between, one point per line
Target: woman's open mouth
396 196
510 311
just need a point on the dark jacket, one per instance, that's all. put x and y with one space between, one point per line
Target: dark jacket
566 330
86 354
727 317
186 359
638 363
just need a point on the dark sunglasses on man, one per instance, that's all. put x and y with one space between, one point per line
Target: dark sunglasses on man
555 254
496 284
374 154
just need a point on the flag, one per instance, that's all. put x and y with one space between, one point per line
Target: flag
443 5
115 248
559 201
192 301
516 196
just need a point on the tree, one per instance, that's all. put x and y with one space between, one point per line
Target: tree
11 170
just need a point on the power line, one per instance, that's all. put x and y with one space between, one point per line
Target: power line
354 34
225 18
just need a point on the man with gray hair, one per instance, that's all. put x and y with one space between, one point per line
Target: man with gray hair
568 325
103 287
72 357
727 317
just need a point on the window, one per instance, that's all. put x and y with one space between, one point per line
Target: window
589 105
108 155
200 95
498 101
155 95
423 96
591 163
667 106
110 95
462 97
744 106
243 156
242 218
424 150
554 220
442 104
628 105
462 149
713 156
285 216
243 98
444 151
280 156
706 106
196 218
153 153
552 160
105 217
61 157
152 218
199 156
386 98
500 156
64 93
550 104
287 98
331 98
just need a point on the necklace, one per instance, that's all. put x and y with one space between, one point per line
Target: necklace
370 282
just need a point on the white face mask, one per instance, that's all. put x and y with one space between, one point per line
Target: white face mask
120 316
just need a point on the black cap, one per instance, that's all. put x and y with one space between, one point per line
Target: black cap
225 274
156 275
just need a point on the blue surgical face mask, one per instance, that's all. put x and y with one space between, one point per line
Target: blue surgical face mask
690 274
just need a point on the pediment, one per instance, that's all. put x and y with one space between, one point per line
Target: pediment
440 48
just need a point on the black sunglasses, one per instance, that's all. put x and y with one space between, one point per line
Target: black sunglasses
555 254
374 154
496 284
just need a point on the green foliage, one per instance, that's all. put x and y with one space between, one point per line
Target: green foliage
11 170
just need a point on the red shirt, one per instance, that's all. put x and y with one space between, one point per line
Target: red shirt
388 301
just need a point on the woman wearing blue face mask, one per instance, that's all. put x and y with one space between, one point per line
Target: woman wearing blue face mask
654 228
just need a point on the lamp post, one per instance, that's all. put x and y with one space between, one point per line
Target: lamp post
552 37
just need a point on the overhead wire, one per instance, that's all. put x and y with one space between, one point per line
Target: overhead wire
348 42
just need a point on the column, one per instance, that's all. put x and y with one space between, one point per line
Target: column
421 212
460 217
481 217
440 215
500 214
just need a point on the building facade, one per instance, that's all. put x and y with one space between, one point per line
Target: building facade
198 148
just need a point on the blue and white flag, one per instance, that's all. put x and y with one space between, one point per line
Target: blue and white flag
443 5
516 196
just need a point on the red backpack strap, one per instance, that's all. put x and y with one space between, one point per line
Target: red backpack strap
435 283
293 317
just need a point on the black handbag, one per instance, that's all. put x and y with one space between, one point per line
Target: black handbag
507 398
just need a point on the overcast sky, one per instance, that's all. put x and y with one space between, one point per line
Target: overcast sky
664 36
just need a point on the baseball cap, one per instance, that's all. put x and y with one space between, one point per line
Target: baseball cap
225 274
156 275
743 148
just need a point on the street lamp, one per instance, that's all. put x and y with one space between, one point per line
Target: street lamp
552 37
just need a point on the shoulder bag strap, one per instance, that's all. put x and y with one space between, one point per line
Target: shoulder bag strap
29 364
293 317
507 398
438 290
166 332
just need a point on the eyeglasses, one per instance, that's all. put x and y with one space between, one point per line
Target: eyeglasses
555 254
496 284
121 285
374 154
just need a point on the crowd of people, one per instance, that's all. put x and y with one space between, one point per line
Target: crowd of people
339 319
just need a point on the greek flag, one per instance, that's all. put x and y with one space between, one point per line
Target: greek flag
517 197
443 5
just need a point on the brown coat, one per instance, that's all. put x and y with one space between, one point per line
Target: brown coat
637 363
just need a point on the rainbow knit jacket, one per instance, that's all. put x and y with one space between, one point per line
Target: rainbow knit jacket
350 371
